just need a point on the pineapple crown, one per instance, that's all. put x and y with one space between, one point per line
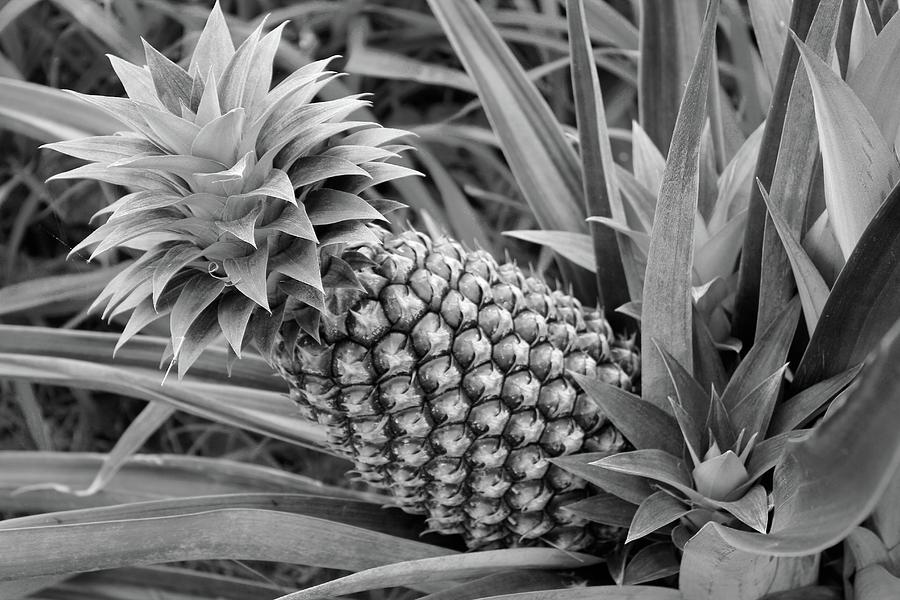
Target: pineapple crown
241 196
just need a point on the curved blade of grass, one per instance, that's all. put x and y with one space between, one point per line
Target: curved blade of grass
860 167
828 483
793 173
50 115
542 160
667 304
669 42
618 275
458 566
69 292
141 351
749 280
343 510
235 533
23 475
863 301
711 568
268 413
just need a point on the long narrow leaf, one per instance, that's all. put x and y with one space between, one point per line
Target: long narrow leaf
542 160
618 276
811 286
443 568
142 351
49 115
669 41
24 477
747 298
795 169
342 510
243 534
863 302
500 583
264 412
667 303
860 167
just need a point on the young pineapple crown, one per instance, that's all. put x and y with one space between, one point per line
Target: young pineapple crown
241 196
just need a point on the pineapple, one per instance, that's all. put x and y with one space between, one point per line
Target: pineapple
441 374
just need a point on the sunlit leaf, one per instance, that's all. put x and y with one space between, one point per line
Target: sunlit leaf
862 301
860 167
875 82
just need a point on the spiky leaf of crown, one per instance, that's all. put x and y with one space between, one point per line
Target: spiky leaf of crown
239 193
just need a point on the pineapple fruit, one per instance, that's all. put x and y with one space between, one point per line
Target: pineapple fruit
440 373
443 376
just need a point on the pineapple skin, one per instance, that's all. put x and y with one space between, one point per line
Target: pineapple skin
444 379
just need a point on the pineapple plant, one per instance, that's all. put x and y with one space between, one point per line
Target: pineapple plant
443 375
480 397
